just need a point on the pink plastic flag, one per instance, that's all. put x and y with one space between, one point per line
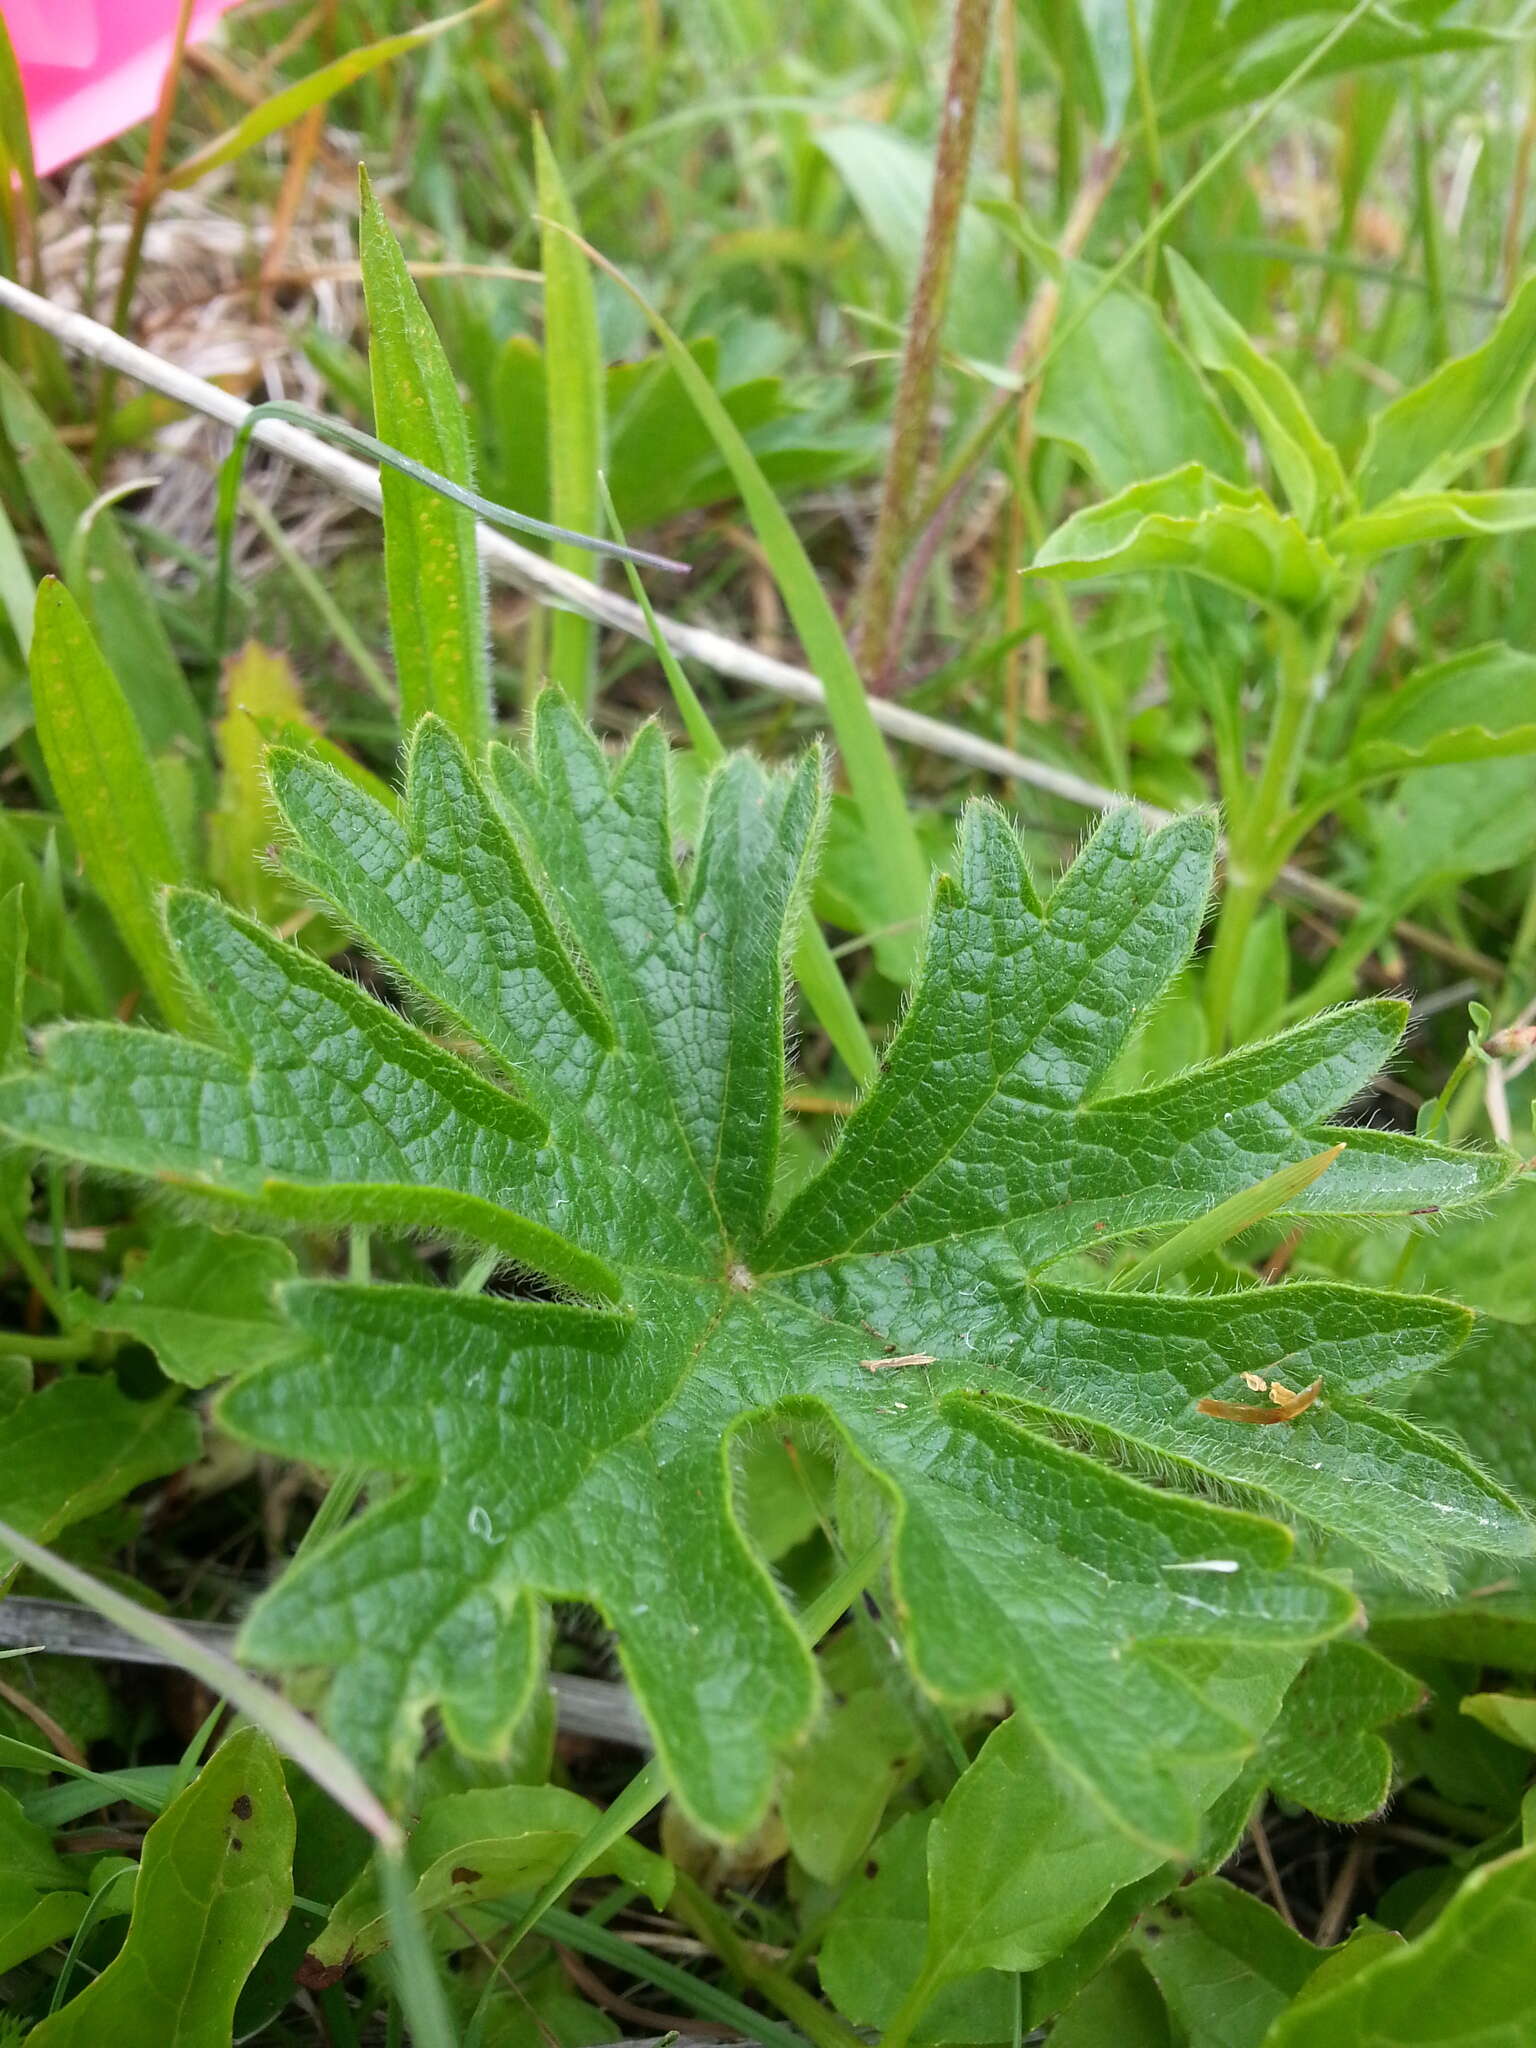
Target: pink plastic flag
91 68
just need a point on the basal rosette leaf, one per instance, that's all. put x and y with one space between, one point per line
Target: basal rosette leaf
617 1131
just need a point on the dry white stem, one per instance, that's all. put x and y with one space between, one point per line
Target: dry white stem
505 559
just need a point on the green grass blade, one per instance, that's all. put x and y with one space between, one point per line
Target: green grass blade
708 2000
418 1986
18 593
431 559
115 595
644 1792
815 969
1238 1213
106 788
284 108
292 1732
575 408
871 773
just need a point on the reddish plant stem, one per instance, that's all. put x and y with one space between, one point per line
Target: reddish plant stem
877 644
1029 345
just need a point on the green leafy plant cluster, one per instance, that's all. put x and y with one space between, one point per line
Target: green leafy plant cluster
540 1196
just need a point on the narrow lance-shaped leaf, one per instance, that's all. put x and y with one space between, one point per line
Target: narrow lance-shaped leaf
431 559
550 1448
116 597
1478 705
1475 402
1411 519
1192 520
1228 1219
106 787
281 110
574 408
1305 460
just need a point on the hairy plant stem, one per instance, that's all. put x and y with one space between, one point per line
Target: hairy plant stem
1258 840
1029 344
877 647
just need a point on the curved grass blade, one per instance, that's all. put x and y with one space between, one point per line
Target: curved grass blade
284 108
292 1732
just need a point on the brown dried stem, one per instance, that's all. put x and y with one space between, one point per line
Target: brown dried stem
877 643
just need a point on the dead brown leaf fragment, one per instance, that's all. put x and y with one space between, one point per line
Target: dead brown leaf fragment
1284 1405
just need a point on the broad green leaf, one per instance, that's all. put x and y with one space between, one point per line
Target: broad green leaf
1474 706
1486 1264
889 177
27 1853
1124 395
1486 1406
1305 460
78 1445
1226 1964
1440 824
1120 2008
106 787
1194 521
1113 29
875 1944
553 1448
431 558
215 1885
1021 1858
31 1921
1210 57
282 109
575 419
1411 519
204 1301
115 596
473 1846
1022 1861
1466 1983
662 459
1425 438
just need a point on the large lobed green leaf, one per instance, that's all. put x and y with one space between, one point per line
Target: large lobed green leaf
633 1002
